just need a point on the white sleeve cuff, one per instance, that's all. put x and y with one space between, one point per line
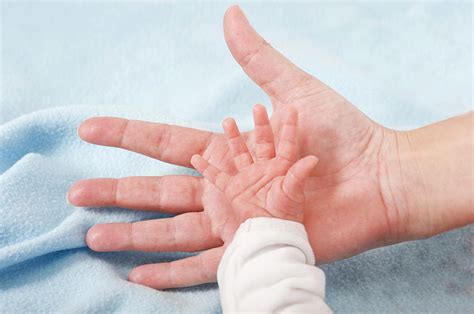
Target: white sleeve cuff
269 265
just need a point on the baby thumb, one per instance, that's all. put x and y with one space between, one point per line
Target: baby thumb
293 183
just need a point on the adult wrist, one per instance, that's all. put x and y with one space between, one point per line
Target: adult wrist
393 191
429 179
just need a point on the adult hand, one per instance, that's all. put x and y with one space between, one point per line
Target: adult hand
353 197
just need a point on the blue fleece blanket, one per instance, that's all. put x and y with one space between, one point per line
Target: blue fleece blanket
402 64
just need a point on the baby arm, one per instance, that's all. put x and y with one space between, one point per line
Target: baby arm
268 265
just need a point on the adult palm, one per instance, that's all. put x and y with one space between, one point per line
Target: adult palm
346 196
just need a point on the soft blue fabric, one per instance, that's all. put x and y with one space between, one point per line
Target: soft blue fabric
403 64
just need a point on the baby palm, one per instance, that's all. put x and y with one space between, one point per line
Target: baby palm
271 186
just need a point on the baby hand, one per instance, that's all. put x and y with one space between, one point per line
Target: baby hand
272 185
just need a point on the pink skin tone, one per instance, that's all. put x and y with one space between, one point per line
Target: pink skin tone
371 187
272 185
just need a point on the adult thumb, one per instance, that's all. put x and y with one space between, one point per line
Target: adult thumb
274 73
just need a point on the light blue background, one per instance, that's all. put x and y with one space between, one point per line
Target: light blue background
412 59
403 64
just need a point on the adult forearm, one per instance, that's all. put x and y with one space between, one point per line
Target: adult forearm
431 179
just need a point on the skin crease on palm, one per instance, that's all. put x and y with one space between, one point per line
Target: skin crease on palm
272 185
351 204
